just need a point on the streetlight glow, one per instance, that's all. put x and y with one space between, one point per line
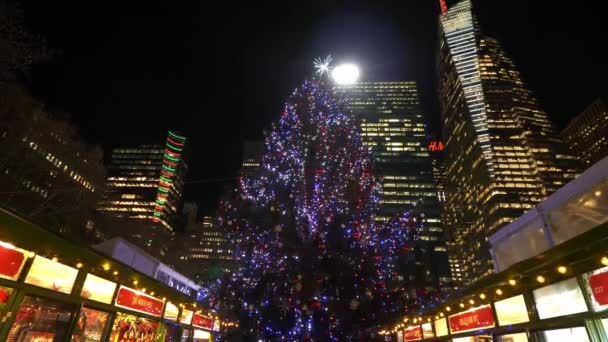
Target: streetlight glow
345 74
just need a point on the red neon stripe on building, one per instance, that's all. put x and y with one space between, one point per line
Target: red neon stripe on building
175 142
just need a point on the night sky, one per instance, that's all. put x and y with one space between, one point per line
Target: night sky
129 71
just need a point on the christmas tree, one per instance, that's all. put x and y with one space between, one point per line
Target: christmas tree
314 263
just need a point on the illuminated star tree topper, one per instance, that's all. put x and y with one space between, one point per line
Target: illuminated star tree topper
322 65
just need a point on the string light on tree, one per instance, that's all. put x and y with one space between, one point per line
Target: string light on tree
315 265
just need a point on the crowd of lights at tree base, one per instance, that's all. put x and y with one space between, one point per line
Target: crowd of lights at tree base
314 264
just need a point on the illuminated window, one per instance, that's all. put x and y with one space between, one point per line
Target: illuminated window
427 330
441 327
563 298
98 289
511 311
90 325
186 317
51 275
171 312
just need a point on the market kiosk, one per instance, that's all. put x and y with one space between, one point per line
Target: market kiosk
551 283
55 290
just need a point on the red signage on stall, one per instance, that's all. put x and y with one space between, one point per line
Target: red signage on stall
599 286
202 321
137 301
11 261
412 333
474 319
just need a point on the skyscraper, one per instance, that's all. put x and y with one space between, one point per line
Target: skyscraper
145 183
436 150
393 126
587 133
207 254
252 156
502 153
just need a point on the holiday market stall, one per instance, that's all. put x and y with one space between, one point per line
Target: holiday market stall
54 290
551 282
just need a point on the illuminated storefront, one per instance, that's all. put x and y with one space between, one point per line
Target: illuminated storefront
55 291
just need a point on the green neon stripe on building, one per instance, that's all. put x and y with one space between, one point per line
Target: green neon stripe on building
169 168
171 158
173 135
176 149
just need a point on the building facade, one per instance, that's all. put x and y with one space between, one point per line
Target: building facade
208 254
145 183
48 173
502 153
394 128
587 133
439 174
253 150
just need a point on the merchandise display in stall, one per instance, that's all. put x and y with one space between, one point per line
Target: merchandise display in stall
129 328
40 320
520 337
201 336
186 334
12 260
51 275
5 295
171 332
90 325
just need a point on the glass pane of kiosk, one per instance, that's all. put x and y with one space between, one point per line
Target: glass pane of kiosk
201 336
133 328
483 338
42 320
520 337
578 334
559 299
5 295
186 334
90 325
